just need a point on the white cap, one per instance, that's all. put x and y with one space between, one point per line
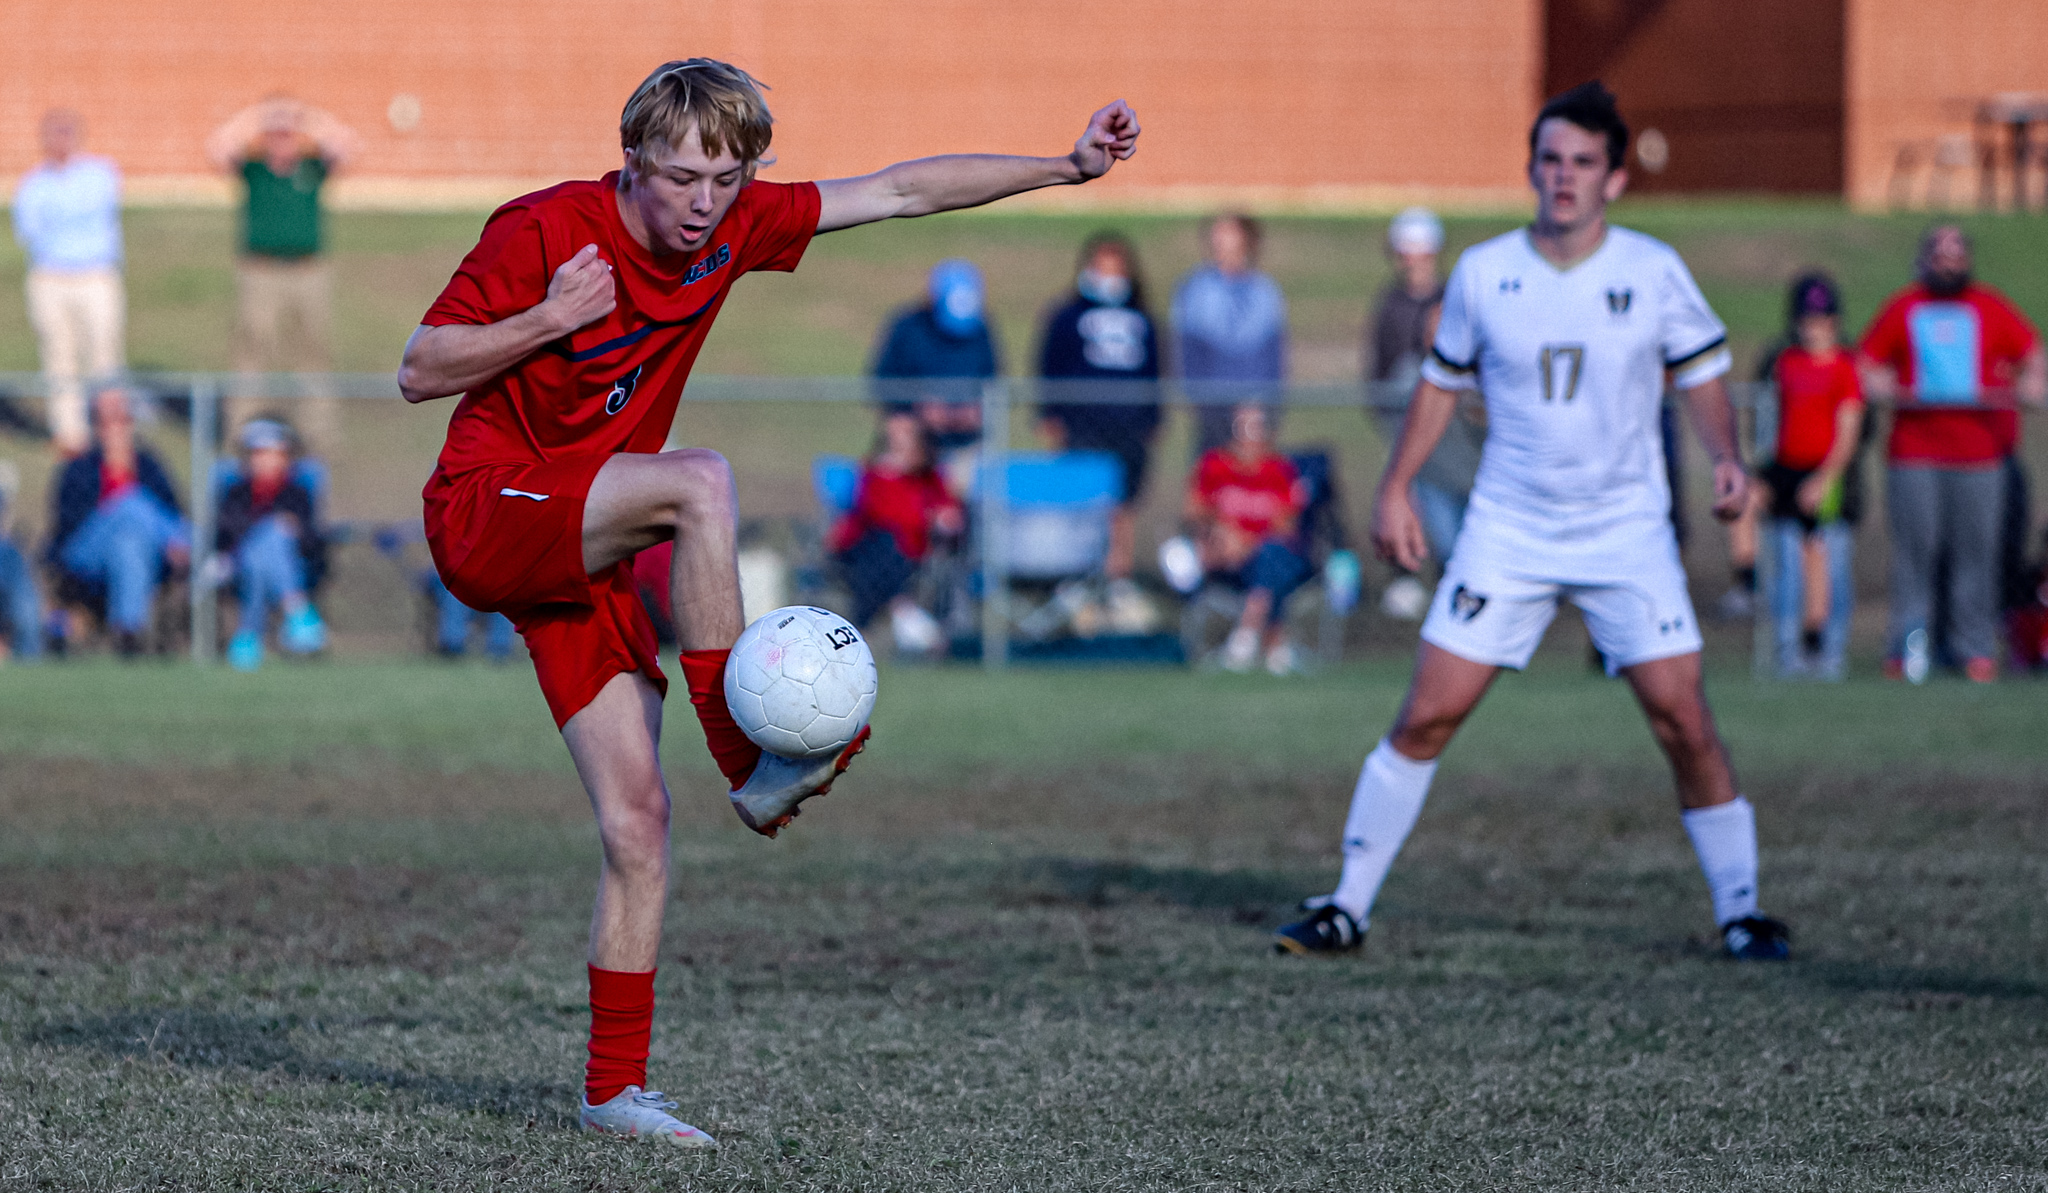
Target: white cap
1416 230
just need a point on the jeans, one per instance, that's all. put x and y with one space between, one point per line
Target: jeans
1442 514
122 546
875 571
1788 593
1277 568
268 570
451 631
1956 512
21 608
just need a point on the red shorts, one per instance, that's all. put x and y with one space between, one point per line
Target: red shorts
508 538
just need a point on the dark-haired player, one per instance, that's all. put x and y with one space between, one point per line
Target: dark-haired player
1572 329
570 328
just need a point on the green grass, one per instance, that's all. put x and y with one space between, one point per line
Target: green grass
321 927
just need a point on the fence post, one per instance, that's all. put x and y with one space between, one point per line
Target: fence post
1763 634
994 482
205 426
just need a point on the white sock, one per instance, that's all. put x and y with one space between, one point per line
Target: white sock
1391 788
1724 836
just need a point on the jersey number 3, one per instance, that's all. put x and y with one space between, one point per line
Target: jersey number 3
1562 364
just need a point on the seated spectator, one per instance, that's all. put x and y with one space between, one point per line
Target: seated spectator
21 606
268 530
1820 424
1100 356
899 504
453 620
118 527
1245 502
934 359
1229 331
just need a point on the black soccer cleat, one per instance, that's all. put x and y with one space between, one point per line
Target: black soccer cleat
1329 930
1756 938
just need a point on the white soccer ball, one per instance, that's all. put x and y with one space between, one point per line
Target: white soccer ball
801 682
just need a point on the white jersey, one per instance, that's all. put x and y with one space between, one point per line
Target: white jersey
1572 365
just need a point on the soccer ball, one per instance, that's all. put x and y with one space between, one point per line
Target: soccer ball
801 682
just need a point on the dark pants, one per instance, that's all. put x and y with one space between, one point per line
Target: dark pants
875 571
1277 568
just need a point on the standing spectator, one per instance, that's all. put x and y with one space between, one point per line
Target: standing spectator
67 216
117 525
934 359
1100 359
284 152
1403 326
900 503
1820 424
269 528
1955 355
1245 501
21 606
1229 331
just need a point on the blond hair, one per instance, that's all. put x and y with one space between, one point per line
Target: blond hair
722 101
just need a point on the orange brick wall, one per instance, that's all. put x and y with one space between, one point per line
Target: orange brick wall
1914 69
1282 99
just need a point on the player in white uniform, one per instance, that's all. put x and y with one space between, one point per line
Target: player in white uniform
1571 329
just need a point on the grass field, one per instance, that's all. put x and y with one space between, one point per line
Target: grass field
321 928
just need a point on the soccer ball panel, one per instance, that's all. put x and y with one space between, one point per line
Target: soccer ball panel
801 682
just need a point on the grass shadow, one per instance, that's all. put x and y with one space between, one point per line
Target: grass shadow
1243 894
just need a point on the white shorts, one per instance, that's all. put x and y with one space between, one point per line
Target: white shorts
1497 597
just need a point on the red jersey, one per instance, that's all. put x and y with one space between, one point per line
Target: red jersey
901 503
611 386
1950 350
1811 393
1256 499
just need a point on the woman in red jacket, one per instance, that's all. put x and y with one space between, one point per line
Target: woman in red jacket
899 505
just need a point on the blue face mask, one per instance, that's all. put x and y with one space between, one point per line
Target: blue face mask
956 298
1108 289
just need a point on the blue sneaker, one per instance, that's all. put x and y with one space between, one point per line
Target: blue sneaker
304 632
1756 938
245 651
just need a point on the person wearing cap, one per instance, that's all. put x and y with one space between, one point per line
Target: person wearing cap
1813 508
117 527
268 530
1397 340
1957 357
933 360
1229 331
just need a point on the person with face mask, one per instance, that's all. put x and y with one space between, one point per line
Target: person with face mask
933 360
1955 356
1099 360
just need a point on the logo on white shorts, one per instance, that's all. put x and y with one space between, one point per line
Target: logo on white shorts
522 493
1466 604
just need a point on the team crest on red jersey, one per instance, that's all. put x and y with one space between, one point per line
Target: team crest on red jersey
622 391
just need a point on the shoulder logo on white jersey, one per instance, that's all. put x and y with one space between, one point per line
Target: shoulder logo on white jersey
1511 285
508 492
1618 300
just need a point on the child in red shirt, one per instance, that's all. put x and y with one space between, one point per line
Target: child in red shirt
1245 501
899 504
1820 424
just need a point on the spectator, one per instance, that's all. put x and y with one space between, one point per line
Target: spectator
1955 355
1403 326
1100 358
933 361
453 619
1229 331
284 152
21 606
269 530
117 525
67 216
1245 501
900 503
1820 424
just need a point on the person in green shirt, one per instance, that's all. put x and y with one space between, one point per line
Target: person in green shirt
283 151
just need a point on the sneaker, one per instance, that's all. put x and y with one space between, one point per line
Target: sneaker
303 631
1405 599
1129 610
769 798
245 651
1981 670
638 1112
1281 660
915 631
1240 650
1330 929
1756 938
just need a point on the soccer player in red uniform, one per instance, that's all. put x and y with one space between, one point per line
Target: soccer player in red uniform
570 330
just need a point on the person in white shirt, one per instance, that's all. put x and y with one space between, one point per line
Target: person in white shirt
67 216
1572 329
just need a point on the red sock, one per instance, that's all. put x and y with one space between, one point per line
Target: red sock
735 752
621 1019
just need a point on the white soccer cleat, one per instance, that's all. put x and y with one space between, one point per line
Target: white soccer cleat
642 1112
1241 650
769 798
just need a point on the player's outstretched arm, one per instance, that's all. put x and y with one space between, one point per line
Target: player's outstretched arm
1713 417
1396 530
456 357
933 184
